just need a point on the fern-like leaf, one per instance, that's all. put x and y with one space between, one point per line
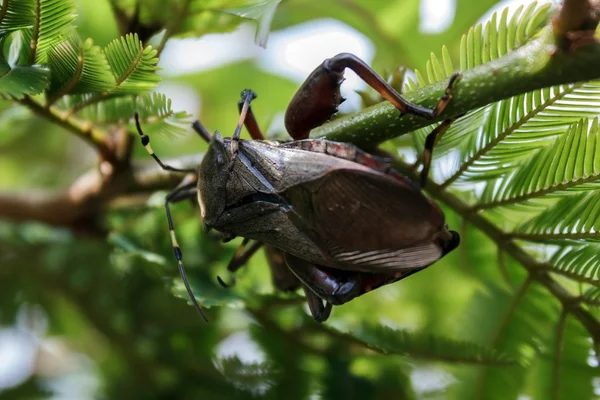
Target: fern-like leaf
572 162
592 297
261 11
573 217
78 67
53 21
423 345
18 81
156 113
580 262
133 65
16 15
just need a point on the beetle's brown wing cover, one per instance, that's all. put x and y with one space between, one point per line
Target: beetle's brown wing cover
368 221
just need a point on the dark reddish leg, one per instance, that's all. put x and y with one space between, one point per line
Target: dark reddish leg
250 121
283 279
336 287
319 97
319 310
430 142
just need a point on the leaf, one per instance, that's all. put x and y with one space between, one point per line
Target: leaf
129 248
426 346
18 81
78 67
580 262
261 11
592 297
16 15
569 163
573 217
133 65
51 24
156 113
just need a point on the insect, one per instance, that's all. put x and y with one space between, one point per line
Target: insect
341 220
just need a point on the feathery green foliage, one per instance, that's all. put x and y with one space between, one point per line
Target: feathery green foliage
18 81
519 178
427 346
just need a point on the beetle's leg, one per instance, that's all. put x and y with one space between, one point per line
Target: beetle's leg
183 192
247 97
319 96
334 286
282 277
239 259
201 131
250 122
429 144
319 311
146 142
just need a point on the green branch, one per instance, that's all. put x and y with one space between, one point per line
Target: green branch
537 64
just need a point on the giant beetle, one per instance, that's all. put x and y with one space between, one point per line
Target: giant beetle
341 220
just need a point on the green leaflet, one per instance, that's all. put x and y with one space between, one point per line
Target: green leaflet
573 217
580 262
54 21
19 81
133 65
427 346
15 15
571 162
79 67
592 296
156 114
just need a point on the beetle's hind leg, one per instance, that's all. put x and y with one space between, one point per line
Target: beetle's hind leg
319 96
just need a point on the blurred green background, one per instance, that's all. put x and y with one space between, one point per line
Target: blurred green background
83 316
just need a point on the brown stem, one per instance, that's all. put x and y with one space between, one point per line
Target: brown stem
80 205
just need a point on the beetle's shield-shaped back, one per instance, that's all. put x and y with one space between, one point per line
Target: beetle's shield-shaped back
369 221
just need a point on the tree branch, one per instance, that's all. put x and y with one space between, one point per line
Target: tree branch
537 64
81 204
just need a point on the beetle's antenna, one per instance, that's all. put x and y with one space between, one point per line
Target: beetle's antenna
247 97
146 142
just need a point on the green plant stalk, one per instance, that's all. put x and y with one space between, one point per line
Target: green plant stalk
537 64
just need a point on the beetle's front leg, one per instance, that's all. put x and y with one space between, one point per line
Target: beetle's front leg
319 96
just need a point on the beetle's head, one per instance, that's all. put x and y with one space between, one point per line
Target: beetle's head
212 180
